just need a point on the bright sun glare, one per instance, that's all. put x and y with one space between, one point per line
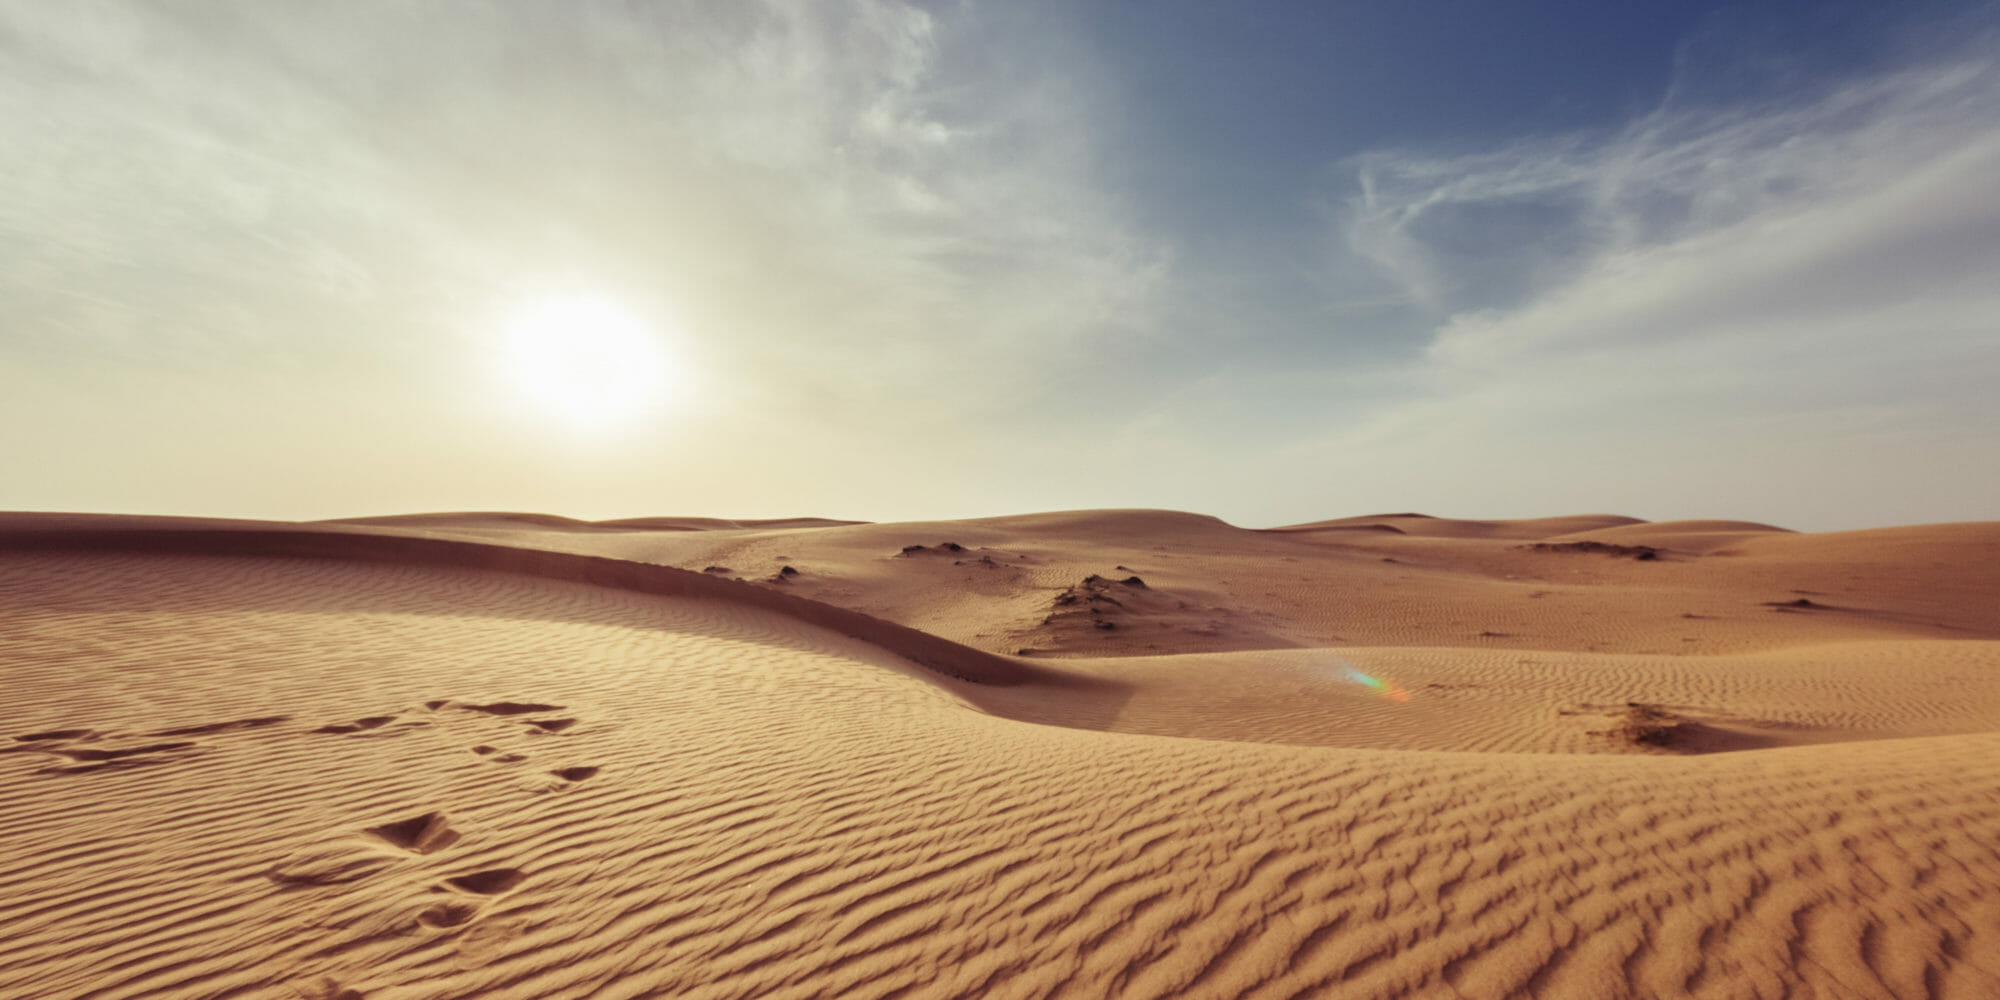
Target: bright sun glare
585 360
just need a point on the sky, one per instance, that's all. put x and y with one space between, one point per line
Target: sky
1275 262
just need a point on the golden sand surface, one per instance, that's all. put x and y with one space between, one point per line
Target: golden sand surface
1082 754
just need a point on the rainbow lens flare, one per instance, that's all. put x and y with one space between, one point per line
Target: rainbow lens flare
1386 688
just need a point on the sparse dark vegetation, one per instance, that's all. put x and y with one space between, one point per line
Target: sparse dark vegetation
939 548
1643 724
1643 553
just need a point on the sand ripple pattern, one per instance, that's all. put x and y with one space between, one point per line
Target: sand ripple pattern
298 778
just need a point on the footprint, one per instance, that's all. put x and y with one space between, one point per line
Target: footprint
224 727
484 944
511 708
90 759
57 734
326 988
552 725
90 755
424 834
334 864
447 914
86 759
490 882
510 758
574 774
358 725
483 750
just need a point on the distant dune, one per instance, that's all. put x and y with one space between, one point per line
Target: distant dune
505 520
1127 753
1440 527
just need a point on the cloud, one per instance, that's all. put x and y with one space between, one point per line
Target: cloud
1705 309
277 237
797 184
1490 229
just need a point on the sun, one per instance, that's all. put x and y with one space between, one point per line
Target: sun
585 361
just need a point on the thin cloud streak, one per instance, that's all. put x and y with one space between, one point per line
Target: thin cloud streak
1806 284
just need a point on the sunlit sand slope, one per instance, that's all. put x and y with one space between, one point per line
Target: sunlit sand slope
1419 698
289 777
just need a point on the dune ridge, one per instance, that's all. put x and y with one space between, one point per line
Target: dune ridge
515 520
91 535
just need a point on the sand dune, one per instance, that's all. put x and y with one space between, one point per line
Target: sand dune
515 521
1442 527
1214 587
508 757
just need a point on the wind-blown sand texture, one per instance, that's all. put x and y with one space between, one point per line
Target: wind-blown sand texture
1091 754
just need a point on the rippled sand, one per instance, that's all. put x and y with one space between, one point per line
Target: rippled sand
412 760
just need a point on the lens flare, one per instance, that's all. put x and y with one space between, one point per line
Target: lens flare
1386 688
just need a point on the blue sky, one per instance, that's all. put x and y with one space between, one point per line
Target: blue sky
1271 261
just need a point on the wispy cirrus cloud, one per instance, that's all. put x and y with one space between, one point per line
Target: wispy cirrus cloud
1487 229
1803 282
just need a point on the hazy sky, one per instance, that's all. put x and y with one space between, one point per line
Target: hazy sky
1270 261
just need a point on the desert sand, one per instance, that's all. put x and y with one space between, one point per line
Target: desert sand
1081 754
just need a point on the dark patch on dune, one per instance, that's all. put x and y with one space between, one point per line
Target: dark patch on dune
224 727
358 725
1797 604
1643 553
1641 724
1098 600
103 755
940 548
1657 727
512 708
57 734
